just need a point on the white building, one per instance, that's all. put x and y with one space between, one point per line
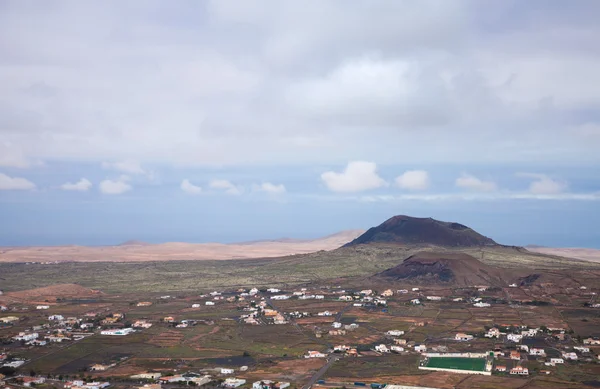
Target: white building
281 297
463 337
336 324
434 298
557 361
397 349
493 333
226 371
273 290
315 354
117 332
421 348
481 305
233 382
43 307
514 337
395 333
415 301
209 303
537 351
196 305
572 356
26 337
382 348
582 349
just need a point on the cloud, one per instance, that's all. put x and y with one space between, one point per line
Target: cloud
250 95
475 196
190 188
226 186
413 180
83 185
15 183
126 166
10 156
470 182
543 184
356 177
587 130
115 187
271 188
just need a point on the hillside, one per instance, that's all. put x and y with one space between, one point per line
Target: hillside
447 268
51 293
406 230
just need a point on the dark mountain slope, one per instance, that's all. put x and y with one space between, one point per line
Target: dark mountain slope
447 268
423 231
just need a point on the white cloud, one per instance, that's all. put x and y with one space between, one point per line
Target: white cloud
83 185
114 187
270 188
10 156
15 183
356 177
250 95
127 166
470 182
543 184
587 130
413 180
190 188
226 186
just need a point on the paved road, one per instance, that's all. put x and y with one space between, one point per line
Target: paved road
321 371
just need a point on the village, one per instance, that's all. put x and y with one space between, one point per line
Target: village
333 324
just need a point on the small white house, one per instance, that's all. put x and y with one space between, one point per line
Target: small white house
226 371
315 354
196 305
382 348
209 303
395 333
514 337
336 324
421 348
43 307
463 337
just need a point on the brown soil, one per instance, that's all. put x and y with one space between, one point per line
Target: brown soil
53 292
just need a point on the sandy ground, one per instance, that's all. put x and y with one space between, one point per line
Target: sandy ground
175 251
592 255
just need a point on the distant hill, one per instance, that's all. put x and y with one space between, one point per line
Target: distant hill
137 251
408 230
454 268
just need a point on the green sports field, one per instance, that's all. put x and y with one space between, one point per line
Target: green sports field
477 364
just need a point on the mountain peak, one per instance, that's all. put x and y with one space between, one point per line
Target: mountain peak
404 229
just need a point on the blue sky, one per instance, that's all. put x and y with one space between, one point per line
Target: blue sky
229 121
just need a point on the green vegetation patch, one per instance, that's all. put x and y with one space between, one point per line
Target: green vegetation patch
476 364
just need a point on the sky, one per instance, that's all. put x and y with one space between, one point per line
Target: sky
204 121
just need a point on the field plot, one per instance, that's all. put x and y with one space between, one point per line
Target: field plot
474 364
